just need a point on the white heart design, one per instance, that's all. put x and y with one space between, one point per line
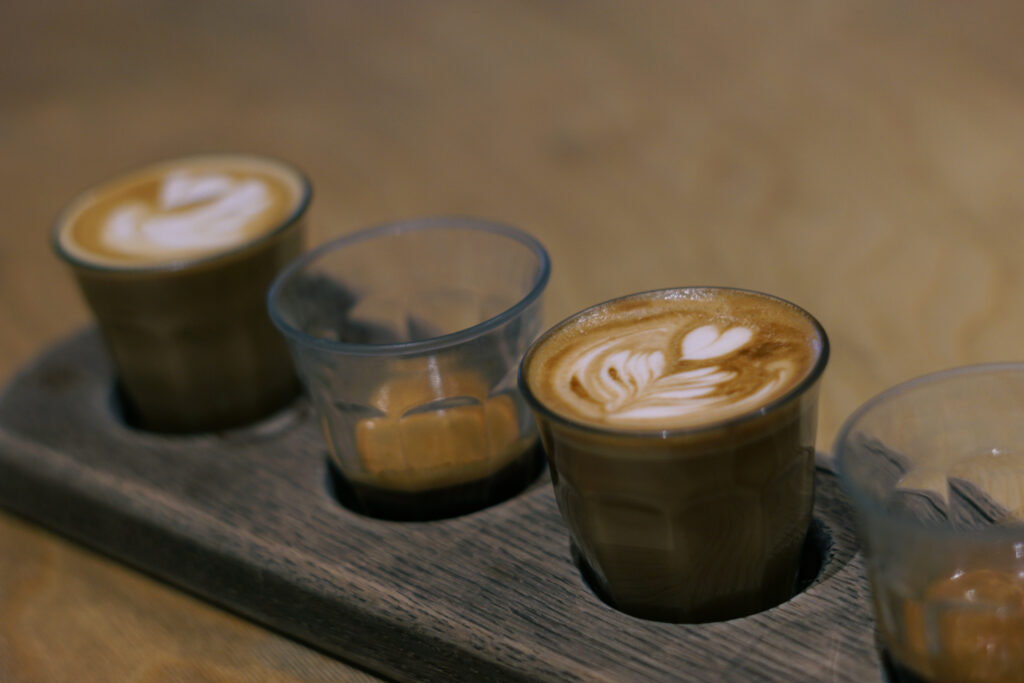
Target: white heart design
630 379
194 213
181 188
707 342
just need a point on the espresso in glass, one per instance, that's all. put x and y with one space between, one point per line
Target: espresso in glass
680 427
174 260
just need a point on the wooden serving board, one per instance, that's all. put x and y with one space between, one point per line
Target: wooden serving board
245 519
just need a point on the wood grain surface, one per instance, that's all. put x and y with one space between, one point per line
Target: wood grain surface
862 159
245 518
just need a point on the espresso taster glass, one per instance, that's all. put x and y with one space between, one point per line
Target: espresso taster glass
407 337
694 523
175 259
935 470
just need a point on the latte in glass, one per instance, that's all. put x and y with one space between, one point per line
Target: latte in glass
174 260
680 426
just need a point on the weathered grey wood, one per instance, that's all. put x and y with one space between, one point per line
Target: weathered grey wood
244 519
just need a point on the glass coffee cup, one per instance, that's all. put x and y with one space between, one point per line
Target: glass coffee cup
407 338
174 259
935 471
679 427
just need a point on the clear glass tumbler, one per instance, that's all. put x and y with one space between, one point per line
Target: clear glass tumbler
408 338
696 523
935 469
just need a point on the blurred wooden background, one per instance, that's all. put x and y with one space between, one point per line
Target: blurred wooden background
863 159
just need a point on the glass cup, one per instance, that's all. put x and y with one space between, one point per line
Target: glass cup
407 338
687 524
935 470
186 324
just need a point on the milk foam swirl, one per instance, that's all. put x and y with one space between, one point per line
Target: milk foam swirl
664 371
195 211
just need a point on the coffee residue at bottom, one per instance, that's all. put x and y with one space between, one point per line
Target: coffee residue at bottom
969 627
437 433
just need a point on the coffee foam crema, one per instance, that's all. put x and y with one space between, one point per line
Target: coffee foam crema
673 359
180 210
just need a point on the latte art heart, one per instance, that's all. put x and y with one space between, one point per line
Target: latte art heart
667 363
180 210
708 342
195 212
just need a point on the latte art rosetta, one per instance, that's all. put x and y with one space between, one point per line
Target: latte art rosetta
637 377
673 359
195 211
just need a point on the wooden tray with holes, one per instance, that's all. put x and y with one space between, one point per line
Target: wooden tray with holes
245 520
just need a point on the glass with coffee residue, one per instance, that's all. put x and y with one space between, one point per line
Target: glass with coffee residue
408 337
935 470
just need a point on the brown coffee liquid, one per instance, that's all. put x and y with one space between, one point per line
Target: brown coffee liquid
179 210
437 445
670 535
442 502
968 627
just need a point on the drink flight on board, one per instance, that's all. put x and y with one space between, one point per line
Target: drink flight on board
680 427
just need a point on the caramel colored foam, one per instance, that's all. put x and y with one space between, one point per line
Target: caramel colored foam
413 448
969 627
673 359
180 210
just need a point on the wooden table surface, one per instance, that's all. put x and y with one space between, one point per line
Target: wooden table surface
863 159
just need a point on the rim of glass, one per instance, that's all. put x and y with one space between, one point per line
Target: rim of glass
864 501
796 390
433 223
302 203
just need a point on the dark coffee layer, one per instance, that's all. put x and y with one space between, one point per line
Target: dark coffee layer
441 502
968 626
